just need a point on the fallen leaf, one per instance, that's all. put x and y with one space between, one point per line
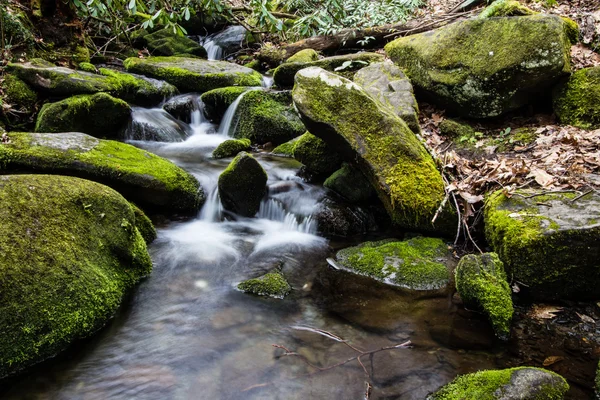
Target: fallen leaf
541 311
552 360
586 319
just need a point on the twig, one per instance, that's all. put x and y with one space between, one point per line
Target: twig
582 195
458 229
544 193
441 207
424 27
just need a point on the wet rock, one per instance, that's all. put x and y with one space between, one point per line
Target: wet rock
243 185
231 147
99 115
482 283
351 184
155 125
194 74
547 241
387 152
465 330
284 74
165 43
318 157
181 107
577 100
506 384
304 56
417 264
473 68
218 100
272 284
336 219
388 84
152 182
286 149
66 262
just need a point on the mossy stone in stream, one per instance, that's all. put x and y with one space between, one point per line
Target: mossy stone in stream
231 147
243 185
150 181
577 100
70 250
350 183
218 100
166 43
482 283
272 284
306 55
415 264
316 155
137 89
99 115
286 149
505 8
144 225
507 384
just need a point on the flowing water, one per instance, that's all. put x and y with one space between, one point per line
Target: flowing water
221 44
188 333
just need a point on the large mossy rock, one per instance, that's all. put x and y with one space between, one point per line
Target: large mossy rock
577 101
417 264
194 74
70 250
547 242
217 101
243 185
99 115
475 67
388 84
387 152
231 147
350 183
306 55
481 282
505 8
267 116
284 74
165 43
522 383
152 182
272 284
64 82
316 155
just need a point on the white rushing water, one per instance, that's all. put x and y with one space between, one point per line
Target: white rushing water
229 122
223 43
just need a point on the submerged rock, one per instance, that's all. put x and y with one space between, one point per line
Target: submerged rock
284 74
165 43
386 151
416 264
70 251
318 157
388 84
243 185
506 384
577 100
152 182
99 115
351 184
547 241
231 147
272 284
481 282
194 74
474 68
218 100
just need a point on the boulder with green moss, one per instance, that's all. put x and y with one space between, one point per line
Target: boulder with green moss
481 282
284 74
304 56
138 89
577 100
417 264
505 8
231 147
350 183
267 116
316 155
18 93
508 384
217 101
286 149
456 129
243 185
166 43
387 152
152 182
548 242
474 68
272 284
99 115
388 84
144 225
87 67
194 74
71 250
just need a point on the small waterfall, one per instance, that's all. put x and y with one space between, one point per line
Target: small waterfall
227 127
273 210
221 44
267 81
154 124
212 211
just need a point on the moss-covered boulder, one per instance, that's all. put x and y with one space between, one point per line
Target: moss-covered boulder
577 100
286 149
64 82
87 67
144 225
267 116
316 155
388 84
547 241
70 252
194 74
481 282
284 74
231 147
350 183
243 185
272 284
507 384
216 101
387 152
417 264
304 56
505 8
152 182
99 115
456 129
166 43
474 68
18 94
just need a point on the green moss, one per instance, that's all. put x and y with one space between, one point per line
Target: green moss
254 64
286 149
144 225
571 29
271 54
505 8
411 264
231 148
577 101
65 264
242 185
481 282
306 55
137 90
17 29
80 54
18 92
462 134
350 183
87 67
272 284
165 43
217 100
316 155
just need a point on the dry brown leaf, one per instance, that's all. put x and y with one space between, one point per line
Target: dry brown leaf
541 311
586 319
552 360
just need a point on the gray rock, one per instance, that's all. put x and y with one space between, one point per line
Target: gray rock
350 183
243 185
181 107
336 219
